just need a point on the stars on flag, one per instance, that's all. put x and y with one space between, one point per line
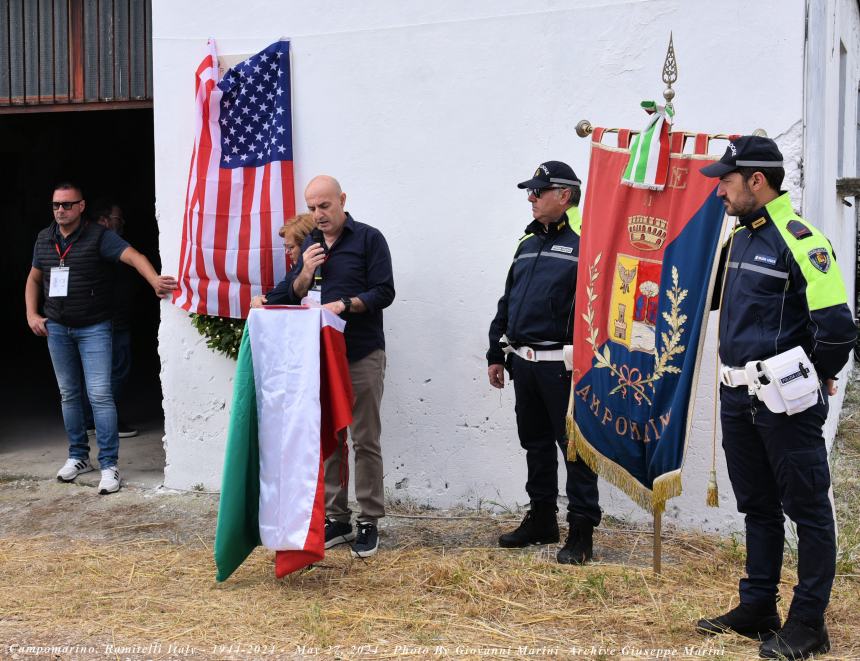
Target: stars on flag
255 110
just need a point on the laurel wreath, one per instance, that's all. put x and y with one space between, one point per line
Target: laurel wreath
633 378
222 334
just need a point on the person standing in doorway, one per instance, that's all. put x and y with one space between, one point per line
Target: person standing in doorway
71 277
109 215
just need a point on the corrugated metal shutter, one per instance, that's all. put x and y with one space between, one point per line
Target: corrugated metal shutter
81 52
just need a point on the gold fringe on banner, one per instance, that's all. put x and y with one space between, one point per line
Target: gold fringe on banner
653 500
571 429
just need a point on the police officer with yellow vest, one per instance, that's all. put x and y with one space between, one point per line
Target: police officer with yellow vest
533 323
785 332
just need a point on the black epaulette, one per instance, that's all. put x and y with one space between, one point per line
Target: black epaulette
798 230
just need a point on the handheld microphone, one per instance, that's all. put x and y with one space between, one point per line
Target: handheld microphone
317 235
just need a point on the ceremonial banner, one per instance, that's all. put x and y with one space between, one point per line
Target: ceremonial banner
240 184
292 400
646 270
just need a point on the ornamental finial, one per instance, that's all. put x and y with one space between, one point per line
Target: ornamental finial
670 72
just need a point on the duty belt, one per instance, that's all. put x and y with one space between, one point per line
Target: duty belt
535 356
733 376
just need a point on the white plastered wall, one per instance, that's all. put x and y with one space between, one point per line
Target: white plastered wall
833 25
429 113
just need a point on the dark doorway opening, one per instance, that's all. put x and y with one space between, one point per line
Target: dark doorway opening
110 154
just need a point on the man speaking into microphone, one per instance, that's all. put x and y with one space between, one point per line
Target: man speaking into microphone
346 266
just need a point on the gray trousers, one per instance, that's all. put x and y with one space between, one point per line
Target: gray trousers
367 377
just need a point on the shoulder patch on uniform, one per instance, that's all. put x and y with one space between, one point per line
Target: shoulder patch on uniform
798 230
565 249
820 259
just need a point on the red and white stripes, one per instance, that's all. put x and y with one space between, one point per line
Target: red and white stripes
230 246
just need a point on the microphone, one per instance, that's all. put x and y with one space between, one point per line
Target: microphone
317 236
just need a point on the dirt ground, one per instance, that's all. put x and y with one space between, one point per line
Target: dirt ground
131 576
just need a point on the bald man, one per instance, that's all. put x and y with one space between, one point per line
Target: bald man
351 276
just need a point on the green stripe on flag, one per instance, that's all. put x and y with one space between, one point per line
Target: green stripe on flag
643 153
238 529
645 149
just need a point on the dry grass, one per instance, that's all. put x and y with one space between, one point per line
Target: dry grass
470 601
437 588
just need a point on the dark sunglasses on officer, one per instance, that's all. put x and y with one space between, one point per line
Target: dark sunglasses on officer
538 191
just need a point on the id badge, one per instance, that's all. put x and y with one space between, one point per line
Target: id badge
315 295
59 282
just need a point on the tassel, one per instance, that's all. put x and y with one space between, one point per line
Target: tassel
713 498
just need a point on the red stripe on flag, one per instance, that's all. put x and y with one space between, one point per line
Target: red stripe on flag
286 562
205 65
335 389
663 157
288 196
249 176
224 228
267 275
222 224
203 165
184 258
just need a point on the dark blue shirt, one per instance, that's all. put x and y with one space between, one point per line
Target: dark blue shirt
111 247
536 309
358 265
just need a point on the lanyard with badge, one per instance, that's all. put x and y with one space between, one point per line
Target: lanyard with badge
60 274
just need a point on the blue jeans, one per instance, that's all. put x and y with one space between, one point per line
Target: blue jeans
88 347
120 369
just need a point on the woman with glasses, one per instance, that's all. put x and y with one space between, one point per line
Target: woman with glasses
294 232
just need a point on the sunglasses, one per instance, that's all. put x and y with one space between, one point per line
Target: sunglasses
537 192
65 205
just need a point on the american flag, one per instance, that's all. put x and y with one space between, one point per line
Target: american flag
240 184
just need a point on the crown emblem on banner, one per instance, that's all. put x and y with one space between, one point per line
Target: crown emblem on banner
647 232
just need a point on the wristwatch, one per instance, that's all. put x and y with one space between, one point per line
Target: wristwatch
347 303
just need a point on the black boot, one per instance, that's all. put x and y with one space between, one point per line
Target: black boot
751 620
798 639
540 526
578 547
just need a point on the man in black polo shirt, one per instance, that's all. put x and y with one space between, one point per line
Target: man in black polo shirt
72 270
352 276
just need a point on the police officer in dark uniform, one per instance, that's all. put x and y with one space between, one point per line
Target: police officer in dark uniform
533 323
782 290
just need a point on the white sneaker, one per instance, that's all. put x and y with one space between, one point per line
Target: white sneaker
72 468
110 481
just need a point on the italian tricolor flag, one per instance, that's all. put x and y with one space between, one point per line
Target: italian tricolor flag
292 401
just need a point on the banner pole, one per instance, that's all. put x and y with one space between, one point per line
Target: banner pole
658 543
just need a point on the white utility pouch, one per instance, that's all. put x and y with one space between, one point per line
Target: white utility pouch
786 383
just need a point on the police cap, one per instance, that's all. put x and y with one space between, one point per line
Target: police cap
551 173
747 151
